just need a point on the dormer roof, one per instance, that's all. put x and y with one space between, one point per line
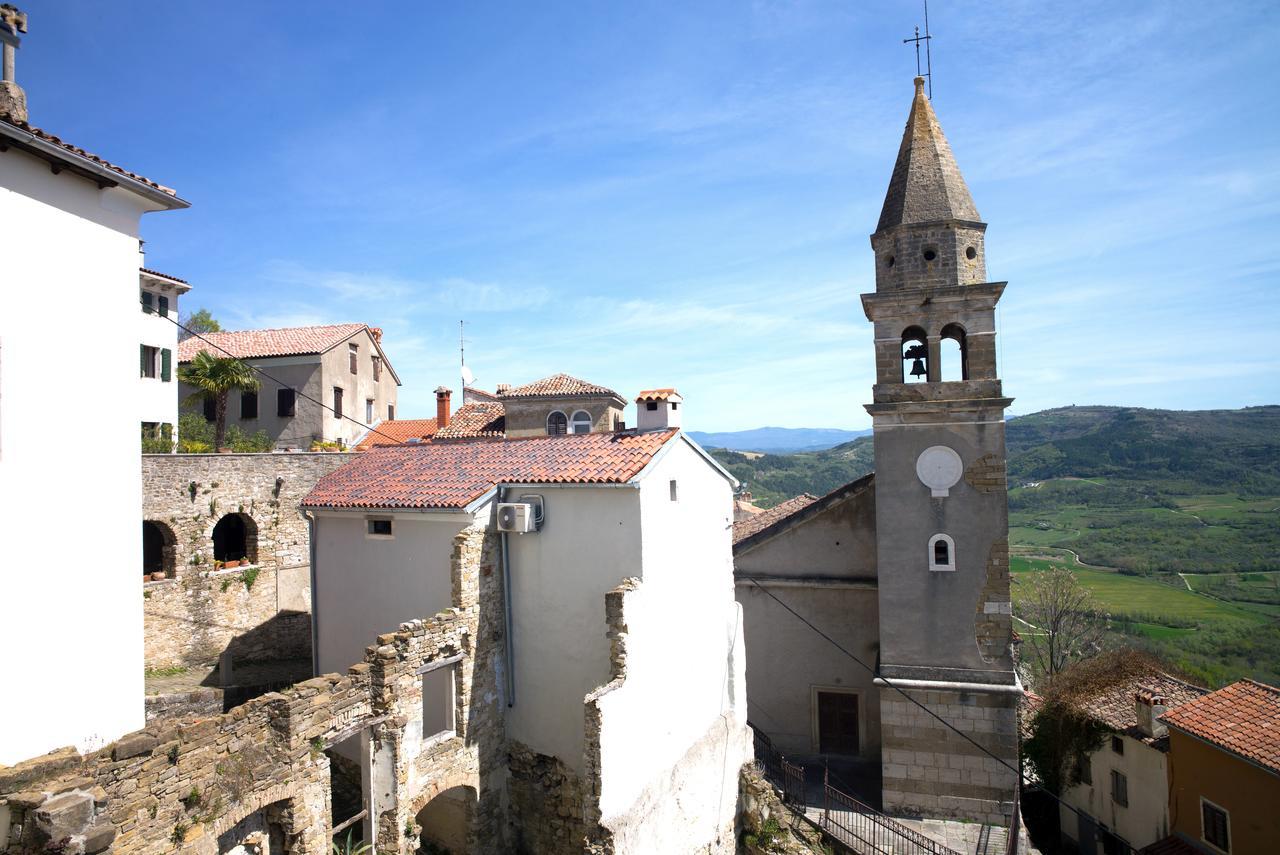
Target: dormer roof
926 186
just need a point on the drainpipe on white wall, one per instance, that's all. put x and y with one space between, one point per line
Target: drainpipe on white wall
506 601
311 570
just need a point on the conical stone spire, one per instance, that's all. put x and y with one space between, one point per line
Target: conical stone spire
926 186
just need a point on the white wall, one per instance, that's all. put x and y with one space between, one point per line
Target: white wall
559 576
70 478
1146 819
365 586
157 400
685 654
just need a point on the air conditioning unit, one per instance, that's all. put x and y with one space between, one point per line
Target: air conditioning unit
517 517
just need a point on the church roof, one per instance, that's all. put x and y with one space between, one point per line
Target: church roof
926 185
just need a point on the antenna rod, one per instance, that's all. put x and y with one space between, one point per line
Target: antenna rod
928 54
462 355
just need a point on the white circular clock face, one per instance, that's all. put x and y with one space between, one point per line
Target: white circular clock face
939 468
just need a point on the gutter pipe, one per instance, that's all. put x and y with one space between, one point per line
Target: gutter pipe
506 602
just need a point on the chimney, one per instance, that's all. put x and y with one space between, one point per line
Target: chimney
442 407
1149 706
503 388
13 100
658 409
376 332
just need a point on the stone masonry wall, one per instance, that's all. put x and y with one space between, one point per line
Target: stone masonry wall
196 613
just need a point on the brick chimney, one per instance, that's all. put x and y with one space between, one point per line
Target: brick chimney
442 406
13 24
376 332
1149 706
503 388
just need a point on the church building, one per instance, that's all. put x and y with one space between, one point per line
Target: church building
905 571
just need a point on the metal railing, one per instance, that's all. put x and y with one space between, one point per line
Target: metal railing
866 830
1015 823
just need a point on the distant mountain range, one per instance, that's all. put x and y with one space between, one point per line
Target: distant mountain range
777 440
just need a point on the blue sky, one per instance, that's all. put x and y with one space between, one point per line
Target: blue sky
652 194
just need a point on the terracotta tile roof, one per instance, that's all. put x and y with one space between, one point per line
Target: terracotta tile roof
164 275
759 522
475 419
397 431
1171 845
454 474
1243 718
556 386
1114 705
247 344
68 147
471 393
656 395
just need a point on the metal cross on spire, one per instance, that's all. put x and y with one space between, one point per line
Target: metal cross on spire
928 56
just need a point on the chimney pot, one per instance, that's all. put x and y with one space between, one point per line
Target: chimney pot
1148 706
442 407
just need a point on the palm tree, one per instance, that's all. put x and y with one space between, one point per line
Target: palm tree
213 378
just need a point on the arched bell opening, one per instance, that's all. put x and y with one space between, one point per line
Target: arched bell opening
915 356
954 353
235 538
158 547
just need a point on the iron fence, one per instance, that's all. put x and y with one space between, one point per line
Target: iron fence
866 830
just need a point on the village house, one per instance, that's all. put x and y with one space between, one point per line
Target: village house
341 365
607 661
158 295
71 222
906 570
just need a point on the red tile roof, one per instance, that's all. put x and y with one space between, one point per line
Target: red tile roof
556 386
656 395
246 344
1114 706
1243 718
759 522
397 431
1171 845
163 275
475 419
454 474
471 393
76 150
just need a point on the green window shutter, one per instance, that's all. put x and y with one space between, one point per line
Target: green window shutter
166 364
164 307
147 300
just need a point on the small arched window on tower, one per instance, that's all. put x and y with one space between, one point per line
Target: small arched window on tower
955 353
581 422
942 553
557 424
915 356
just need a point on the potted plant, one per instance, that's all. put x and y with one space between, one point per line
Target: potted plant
156 577
230 565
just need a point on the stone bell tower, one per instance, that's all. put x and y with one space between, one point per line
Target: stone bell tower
941 498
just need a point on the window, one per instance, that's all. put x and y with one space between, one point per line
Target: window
1117 744
377 368
1216 825
1119 788
210 410
391 412
915 356
954 352
581 422
368 411
166 365
248 405
149 355
380 528
557 424
148 302
651 406
675 490
337 402
438 706
1084 769
164 306
353 353
942 552
286 403
674 406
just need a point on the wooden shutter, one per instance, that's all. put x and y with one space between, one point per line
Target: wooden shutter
147 300
164 307
166 364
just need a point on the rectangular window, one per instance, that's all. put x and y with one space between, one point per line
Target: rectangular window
377 368
1216 825
837 722
1117 744
166 364
248 405
286 402
337 402
368 411
148 302
675 490
438 706
149 355
651 405
353 351
391 412
164 306
1119 788
379 528
1084 769
210 410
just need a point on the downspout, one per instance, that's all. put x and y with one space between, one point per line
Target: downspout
311 570
506 602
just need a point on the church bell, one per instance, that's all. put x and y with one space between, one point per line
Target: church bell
917 369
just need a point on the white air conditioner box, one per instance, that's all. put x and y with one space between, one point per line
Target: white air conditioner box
516 516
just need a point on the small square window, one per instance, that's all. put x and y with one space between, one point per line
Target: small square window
651 405
380 528
1117 744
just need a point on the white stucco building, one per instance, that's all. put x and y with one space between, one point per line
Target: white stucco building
647 696
157 309
71 223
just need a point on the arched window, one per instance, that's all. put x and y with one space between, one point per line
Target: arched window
557 424
581 422
942 553
915 356
955 353
158 542
235 538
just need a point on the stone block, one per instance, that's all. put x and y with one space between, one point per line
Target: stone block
62 816
99 837
134 746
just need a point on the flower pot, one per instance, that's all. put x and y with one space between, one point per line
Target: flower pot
230 565
156 577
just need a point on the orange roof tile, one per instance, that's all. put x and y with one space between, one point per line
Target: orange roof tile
475 419
247 344
397 431
1243 718
759 522
656 395
1114 707
454 474
556 386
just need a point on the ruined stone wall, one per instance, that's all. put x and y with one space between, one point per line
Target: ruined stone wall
198 612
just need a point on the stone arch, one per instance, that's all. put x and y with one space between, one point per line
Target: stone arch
446 820
954 353
159 548
915 356
235 538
